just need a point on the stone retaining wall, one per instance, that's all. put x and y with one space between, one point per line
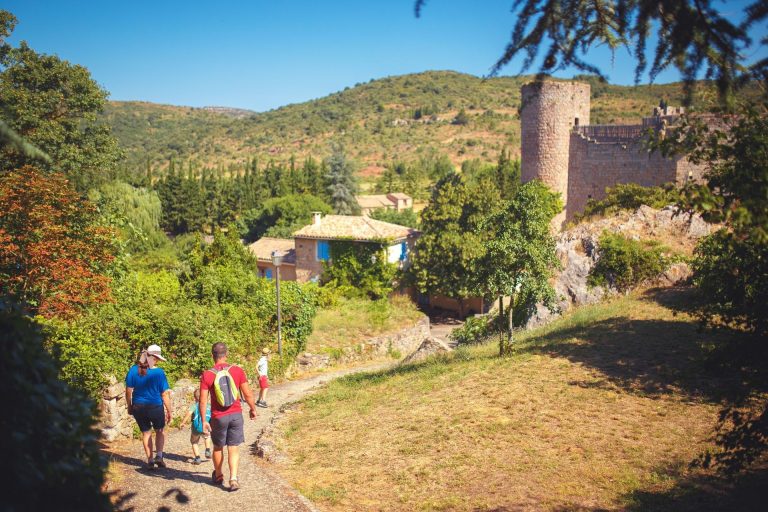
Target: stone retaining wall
115 422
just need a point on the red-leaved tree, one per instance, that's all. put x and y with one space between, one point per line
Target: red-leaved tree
53 254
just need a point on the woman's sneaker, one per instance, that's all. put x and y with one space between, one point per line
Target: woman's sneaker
207 453
261 403
159 462
197 461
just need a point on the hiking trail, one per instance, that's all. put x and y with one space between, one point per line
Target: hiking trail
184 486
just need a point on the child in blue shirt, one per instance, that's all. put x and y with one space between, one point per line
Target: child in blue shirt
196 431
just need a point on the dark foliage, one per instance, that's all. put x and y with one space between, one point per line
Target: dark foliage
50 443
693 36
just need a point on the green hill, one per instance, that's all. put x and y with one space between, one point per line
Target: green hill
401 117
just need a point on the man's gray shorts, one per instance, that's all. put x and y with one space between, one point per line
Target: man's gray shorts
227 430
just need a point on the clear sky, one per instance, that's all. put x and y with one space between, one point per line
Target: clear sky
262 54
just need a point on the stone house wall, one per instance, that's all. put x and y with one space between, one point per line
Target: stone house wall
307 265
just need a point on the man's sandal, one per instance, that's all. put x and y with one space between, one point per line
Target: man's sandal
217 479
233 485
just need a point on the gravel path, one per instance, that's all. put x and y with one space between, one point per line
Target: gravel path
183 486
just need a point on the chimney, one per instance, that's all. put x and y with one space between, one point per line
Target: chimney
316 216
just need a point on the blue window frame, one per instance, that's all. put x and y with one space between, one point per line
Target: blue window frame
323 250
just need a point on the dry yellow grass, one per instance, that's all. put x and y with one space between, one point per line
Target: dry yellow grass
601 410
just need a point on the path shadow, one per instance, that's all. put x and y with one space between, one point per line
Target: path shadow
122 502
168 473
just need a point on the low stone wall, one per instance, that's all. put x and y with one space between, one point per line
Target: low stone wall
115 423
404 341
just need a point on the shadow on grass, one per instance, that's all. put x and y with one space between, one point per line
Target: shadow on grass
656 357
698 493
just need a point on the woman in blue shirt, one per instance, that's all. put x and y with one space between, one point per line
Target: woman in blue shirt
147 393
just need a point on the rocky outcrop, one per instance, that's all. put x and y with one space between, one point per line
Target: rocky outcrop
429 347
577 249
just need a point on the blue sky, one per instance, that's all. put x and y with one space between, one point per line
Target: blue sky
261 54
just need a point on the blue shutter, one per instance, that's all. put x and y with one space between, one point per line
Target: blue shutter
268 273
403 251
323 250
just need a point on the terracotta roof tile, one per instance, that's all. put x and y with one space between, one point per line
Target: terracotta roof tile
375 201
263 247
352 227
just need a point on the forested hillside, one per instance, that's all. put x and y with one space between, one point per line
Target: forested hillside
396 118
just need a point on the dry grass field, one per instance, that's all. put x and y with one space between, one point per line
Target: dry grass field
602 410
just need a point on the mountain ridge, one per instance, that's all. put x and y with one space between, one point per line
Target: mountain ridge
403 117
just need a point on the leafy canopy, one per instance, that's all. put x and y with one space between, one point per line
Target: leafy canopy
53 105
281 216
54 255
693 36
446 254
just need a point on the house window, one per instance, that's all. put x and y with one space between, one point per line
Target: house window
323 250
268 273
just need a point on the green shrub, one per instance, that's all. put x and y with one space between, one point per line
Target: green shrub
406 217
220 298
629 196
623 263
359 270
52 454
476 329
732 273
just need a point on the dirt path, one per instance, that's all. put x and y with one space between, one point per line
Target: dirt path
184 486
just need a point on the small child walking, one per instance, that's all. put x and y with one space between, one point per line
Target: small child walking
262 368
196 431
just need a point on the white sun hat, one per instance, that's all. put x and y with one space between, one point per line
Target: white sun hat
154 350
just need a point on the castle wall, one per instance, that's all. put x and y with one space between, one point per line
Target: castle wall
595 165
549 111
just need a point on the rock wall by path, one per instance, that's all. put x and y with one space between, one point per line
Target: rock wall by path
577 249
404 341
115 423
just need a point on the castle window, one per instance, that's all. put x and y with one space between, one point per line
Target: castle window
576 122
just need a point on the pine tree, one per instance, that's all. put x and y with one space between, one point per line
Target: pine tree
341 183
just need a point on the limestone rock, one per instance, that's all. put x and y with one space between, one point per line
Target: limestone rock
429 347
676 274
577 250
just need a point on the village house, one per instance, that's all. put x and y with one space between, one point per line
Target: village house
263 249
392 201
303 256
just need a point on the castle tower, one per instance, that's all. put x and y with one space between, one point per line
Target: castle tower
548 113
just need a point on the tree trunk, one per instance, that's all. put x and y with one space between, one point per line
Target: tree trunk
501 325
511 311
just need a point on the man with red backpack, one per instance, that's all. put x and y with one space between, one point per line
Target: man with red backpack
225 383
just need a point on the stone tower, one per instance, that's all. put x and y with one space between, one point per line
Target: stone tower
548 113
